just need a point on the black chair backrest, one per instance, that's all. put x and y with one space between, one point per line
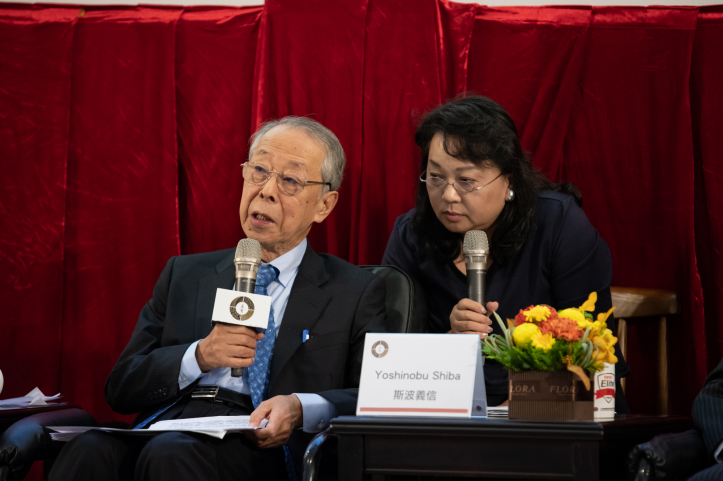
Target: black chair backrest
406 304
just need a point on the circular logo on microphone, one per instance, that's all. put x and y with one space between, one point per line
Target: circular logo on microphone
242 308
380 349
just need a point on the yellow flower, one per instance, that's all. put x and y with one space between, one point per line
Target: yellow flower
543 341
538 314
603 316
605 341
523 334
606 351
596 328
589 305
575 315
607 335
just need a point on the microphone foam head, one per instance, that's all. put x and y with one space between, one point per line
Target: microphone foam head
475 241
248 249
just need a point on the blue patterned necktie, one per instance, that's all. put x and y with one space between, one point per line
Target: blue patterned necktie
259 370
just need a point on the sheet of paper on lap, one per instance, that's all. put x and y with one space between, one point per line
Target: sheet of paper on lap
215 426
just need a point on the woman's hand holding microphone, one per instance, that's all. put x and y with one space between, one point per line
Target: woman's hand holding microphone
469 317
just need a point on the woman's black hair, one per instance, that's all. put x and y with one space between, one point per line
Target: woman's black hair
477 129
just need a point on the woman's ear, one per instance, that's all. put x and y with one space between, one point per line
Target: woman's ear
508 180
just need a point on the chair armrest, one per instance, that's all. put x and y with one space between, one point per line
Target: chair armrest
321 443
669 457
27 440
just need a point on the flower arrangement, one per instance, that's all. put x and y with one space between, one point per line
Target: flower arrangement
540 338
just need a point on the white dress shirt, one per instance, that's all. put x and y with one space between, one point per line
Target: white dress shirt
317 411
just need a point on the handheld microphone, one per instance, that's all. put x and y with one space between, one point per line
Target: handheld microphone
476 250
247 261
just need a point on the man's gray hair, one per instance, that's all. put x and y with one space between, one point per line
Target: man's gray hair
332 168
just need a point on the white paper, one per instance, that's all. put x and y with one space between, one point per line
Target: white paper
211 423
419 375
252 310
215 426
34 398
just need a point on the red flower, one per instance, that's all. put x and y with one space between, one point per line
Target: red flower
561 328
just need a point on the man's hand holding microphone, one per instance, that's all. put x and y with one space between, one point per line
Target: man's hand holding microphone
234 346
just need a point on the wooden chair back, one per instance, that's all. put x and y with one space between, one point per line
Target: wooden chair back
631 303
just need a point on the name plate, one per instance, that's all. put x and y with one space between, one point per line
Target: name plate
421 375
241 308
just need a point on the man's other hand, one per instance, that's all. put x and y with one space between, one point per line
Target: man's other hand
228 345
284 414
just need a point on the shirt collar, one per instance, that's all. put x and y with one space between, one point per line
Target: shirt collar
288 263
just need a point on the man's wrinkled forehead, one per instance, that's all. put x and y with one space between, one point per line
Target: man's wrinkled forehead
262 155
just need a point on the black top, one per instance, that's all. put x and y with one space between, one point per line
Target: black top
562 262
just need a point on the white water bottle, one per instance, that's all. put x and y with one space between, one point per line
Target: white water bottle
1 381
605 392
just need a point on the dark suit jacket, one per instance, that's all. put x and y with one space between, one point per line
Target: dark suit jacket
708 410
336 301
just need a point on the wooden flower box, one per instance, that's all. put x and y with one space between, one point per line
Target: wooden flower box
550 396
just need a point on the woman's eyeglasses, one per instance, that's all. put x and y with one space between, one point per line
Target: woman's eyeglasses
461 186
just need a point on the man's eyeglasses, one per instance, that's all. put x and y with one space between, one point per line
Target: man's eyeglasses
461 186
288 181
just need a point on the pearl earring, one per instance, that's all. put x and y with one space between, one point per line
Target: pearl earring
510 196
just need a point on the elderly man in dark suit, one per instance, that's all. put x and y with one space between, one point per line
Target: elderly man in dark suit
297 383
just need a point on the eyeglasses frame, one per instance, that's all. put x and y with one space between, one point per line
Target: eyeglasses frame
455 182
277 172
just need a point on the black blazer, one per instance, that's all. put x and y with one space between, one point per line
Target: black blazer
336 301
708 410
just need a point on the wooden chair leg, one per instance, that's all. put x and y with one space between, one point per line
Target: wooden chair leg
623 343
663 365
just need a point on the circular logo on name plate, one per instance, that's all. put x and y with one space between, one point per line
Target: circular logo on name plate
242 308
380 349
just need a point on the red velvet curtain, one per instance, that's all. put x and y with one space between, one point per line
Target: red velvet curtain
706 103
35 80
122 131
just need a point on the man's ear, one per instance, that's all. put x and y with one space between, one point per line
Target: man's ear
325 205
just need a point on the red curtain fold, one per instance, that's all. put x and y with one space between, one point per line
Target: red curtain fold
529 59
122 215
310 63
629 150
147 113
215 55
706 103
35 65
425 68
